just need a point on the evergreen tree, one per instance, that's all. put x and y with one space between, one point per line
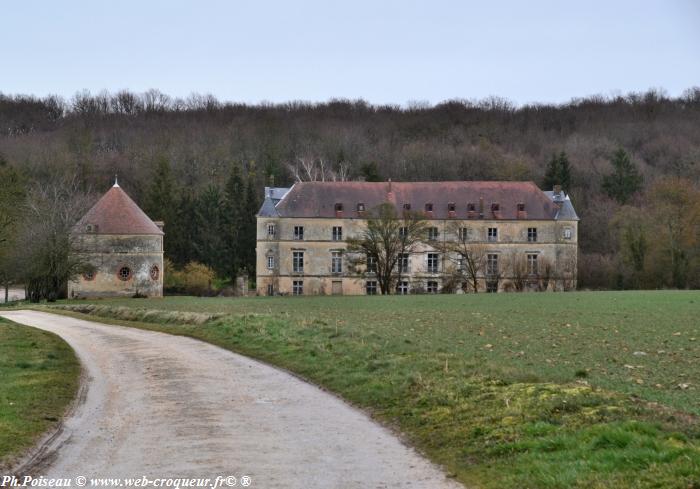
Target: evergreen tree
160 197
248 233
625 180
181 237
234 197
209 243
558 172
370 172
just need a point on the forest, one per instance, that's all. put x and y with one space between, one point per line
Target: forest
631 164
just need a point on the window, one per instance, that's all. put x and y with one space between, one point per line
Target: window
532 234
154 272
403 262
403 232
471 207
495 207
492 264
124 273
336 262
89 276
521 207
407 206
371 264
402 287
270 262
493 234
298 261
299 232
270 230
532 264
433 262
371 287
270 289
360 207
432 287
567 233
429 207
298 287
492 286
463 234
337 233
433 234
461 261
338 207
451 207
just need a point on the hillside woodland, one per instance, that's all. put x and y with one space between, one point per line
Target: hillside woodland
631 165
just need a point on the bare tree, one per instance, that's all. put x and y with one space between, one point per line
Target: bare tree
314 169
46 248
468 258
385 242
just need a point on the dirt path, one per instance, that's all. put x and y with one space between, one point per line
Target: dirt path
159 405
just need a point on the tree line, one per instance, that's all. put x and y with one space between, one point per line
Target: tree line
200 165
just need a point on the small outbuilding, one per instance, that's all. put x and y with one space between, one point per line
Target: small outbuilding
124 247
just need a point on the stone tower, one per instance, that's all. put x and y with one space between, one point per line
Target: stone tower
124 246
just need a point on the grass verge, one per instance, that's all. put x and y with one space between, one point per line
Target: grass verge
39 378
507 392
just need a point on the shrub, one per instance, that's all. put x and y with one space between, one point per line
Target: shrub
194 279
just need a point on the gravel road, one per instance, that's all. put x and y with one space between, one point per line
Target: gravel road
159 405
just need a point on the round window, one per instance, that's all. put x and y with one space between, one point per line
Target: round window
89 276
155 272
124 273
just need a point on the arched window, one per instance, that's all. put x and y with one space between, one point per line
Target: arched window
155 272
124 273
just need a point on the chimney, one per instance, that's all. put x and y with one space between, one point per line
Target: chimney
481 207
268 191
557 194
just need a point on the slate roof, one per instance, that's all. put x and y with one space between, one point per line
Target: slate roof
272 196
319 199
116 213
567 211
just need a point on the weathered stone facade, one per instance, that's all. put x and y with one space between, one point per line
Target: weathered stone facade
124 248
327 269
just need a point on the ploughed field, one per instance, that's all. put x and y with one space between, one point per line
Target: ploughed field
587 389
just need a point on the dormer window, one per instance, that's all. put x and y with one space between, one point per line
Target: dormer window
495 207
429 207
360 207
471 207
451 207
338 207
407 207
521 207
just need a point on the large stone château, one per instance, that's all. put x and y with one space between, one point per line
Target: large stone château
528 238
124 247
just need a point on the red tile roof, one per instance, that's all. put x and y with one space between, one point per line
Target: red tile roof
116 213
318 199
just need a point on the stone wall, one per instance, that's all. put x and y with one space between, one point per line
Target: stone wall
108 254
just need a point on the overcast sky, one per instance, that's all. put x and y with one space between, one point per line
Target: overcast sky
381 51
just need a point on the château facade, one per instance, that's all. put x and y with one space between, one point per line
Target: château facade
524 238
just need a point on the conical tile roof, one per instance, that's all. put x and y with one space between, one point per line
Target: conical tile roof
116 213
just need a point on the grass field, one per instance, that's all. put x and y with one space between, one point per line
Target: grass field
509 390
38 379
